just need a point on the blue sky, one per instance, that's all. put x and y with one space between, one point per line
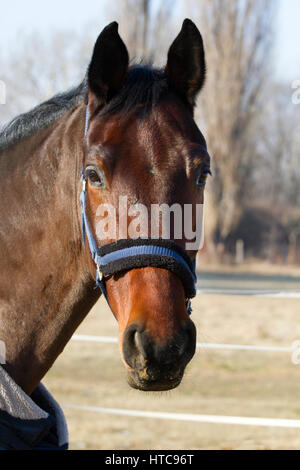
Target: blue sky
17 16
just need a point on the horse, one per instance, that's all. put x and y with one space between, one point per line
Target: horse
126 130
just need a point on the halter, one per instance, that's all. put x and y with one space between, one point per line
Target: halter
135 253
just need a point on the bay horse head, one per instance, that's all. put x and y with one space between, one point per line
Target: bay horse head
143 146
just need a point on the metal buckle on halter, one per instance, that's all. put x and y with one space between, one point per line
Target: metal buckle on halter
83 184
99 272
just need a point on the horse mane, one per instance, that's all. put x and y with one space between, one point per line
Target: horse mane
41 116
143 88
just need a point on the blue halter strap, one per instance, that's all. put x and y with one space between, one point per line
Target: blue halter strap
131 253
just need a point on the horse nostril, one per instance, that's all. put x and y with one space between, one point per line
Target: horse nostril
139 344
140 350
190 332
133 350
181 349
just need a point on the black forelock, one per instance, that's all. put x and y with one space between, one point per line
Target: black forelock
142 90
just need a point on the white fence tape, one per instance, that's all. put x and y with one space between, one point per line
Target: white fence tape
213 419
237 347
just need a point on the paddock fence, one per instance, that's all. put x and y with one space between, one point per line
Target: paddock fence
293 350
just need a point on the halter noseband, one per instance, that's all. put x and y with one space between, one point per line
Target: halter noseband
135 253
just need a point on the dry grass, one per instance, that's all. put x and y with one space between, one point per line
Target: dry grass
261 384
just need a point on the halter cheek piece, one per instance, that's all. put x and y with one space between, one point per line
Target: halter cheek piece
131 253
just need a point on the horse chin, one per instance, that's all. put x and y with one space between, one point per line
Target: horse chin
136 381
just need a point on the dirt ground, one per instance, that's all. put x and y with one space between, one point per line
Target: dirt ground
219 382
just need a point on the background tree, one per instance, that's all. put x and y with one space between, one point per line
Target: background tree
237 36
37 68
146 27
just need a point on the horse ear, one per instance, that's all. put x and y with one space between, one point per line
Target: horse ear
109 65
185 68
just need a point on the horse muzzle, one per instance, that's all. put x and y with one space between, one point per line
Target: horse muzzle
152 366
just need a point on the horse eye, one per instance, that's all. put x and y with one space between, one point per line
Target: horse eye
202 176
95 177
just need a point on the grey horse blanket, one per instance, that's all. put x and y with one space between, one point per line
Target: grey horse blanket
33 422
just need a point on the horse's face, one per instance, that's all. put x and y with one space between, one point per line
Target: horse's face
157 158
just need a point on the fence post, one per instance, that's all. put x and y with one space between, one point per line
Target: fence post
239 252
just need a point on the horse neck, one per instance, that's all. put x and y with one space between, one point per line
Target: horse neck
46 286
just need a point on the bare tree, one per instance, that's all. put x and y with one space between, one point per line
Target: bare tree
237 41
279 149
144 27
38 68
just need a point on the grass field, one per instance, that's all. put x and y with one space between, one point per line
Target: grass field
234 383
